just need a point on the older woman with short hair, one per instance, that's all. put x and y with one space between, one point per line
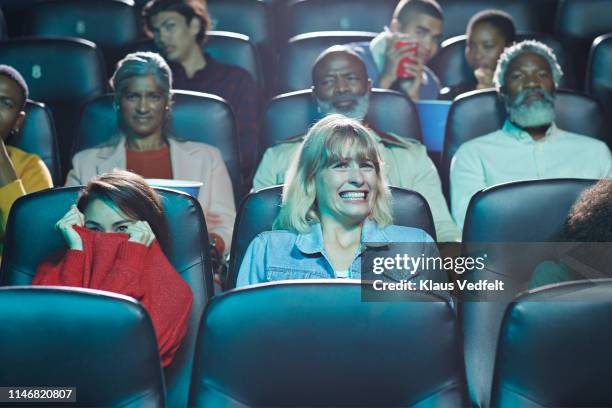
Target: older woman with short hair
145 144
335 202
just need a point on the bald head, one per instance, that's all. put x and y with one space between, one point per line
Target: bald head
340 83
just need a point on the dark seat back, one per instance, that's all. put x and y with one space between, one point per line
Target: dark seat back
480 112
101 343
577 24
458 13
259 209
525 211
35 216
321 332
250 18
37 136
64 84
292 114
554 348
599 75
298 56
110 24
196 116
452 68
307 16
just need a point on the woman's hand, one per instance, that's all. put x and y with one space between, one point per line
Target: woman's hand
64 226
484 77
140 232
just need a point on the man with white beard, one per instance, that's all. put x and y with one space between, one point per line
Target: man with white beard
529 145
341 85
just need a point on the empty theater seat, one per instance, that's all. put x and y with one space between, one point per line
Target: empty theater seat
300 53
62 73
457 13
306 16
196 116
577 24
101 343
554 348
37 136
35 216
509 215
315 343
110 24
291 115
451 67
480 112
259 209
599 75
251 18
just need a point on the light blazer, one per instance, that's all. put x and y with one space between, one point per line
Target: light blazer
190 161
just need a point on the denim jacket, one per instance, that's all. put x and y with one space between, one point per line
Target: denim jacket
284 255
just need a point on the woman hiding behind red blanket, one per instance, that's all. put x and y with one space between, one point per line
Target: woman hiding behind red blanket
115 237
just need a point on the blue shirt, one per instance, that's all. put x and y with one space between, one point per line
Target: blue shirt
284 255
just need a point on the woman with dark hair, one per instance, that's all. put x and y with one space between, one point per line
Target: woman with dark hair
116 237
588 223
488 34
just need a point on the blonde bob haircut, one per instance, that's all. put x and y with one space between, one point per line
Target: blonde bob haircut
326 143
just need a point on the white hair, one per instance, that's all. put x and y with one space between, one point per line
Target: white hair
518 49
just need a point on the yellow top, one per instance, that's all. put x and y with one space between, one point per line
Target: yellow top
32 175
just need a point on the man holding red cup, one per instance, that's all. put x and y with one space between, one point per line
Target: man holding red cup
397 58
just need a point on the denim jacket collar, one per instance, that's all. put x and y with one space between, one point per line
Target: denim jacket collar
524 137
312 241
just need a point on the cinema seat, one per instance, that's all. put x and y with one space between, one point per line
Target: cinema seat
599 75
37 136
291 114
196 116
110 24
259 209
64 84
307 16
300 53
315 343
577 24
32 221
451 67
457 13
250 18
554 348
101 343
477 113
510 222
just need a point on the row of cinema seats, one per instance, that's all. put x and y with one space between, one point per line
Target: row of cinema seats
261 346
208 119
66 84
114 25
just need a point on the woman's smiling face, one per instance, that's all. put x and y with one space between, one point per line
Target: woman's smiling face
346 189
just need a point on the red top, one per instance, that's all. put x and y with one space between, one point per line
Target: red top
150 163
109 262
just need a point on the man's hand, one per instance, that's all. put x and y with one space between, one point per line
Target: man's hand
7 170
401 56
64 226
140 232
411 87
484 77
